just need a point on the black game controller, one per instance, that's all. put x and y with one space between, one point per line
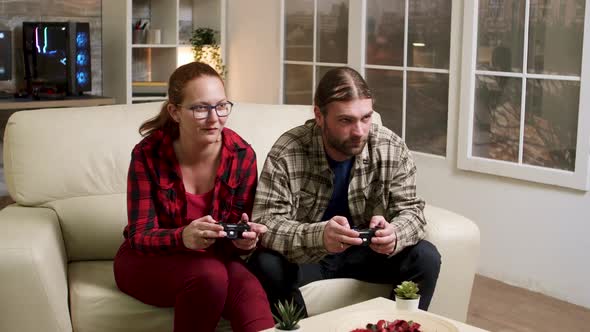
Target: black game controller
366 234
234 231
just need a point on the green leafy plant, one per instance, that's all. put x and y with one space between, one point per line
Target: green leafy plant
289 315
203 36
407 290
207 49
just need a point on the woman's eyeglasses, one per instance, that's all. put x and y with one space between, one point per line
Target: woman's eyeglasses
202 111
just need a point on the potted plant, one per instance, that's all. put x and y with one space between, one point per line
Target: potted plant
406 296
288 317
207 50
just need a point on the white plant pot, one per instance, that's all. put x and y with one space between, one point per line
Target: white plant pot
407 305
297 329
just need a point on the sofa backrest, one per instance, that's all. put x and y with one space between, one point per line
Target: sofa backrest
75 161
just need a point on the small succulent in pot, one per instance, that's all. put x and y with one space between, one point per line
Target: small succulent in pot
407 290
288 316
406 296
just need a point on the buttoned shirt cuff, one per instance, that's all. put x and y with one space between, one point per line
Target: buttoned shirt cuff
397 248
179 241
315 238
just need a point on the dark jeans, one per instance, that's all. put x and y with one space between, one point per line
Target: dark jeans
281 279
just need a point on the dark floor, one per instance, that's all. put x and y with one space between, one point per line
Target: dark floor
4 201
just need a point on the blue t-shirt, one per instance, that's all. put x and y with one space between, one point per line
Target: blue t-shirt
338 205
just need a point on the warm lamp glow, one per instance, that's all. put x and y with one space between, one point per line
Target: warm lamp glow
211 54
185 55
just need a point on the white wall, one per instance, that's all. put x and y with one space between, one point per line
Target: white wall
253 50
533 236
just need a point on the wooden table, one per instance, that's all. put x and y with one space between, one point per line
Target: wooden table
28 103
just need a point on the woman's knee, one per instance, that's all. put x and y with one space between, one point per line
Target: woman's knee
210 278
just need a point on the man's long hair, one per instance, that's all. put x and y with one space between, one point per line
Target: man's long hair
340 84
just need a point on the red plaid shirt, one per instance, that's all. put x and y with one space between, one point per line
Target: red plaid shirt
156 197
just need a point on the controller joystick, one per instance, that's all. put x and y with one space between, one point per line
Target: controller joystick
234 231
366 234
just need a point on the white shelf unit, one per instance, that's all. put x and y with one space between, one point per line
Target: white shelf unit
125 63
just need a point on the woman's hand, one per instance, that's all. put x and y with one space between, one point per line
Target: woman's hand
201 233
250 238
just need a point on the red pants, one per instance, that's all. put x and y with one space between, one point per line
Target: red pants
201 286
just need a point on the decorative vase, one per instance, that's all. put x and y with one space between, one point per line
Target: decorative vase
295 329
407 304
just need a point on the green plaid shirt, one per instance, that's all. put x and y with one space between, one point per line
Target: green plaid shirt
295 188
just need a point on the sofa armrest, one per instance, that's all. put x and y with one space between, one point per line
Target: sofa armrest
33 270
457 240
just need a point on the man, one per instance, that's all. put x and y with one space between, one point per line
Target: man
328 177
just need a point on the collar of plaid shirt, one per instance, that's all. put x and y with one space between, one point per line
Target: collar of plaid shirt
231 145
361 174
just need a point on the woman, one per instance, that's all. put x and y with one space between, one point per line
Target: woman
188 174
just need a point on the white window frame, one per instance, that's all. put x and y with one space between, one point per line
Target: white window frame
578 179
313 63
404 69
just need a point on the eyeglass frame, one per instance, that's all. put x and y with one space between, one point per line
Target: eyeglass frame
208 108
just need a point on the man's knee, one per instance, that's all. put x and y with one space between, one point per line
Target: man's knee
272 269
427 257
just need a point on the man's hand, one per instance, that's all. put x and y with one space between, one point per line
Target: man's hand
250 238
201 233
338 236
385 239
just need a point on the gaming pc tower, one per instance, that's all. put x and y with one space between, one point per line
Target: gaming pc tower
57 58
5 55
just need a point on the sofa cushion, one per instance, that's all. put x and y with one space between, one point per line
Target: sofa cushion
326 295
92 226
260 126
72 152
97 305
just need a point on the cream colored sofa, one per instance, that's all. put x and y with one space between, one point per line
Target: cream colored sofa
66 169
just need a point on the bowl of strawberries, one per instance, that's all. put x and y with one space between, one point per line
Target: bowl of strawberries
387 320
398 325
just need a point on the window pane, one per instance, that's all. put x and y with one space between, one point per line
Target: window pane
386 86
426 112
500 36
298 83
385 32
332 31
320 71
555 37
496 119
185 22
551 120
429 33
298 30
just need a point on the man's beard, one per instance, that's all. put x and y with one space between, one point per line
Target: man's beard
348 147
